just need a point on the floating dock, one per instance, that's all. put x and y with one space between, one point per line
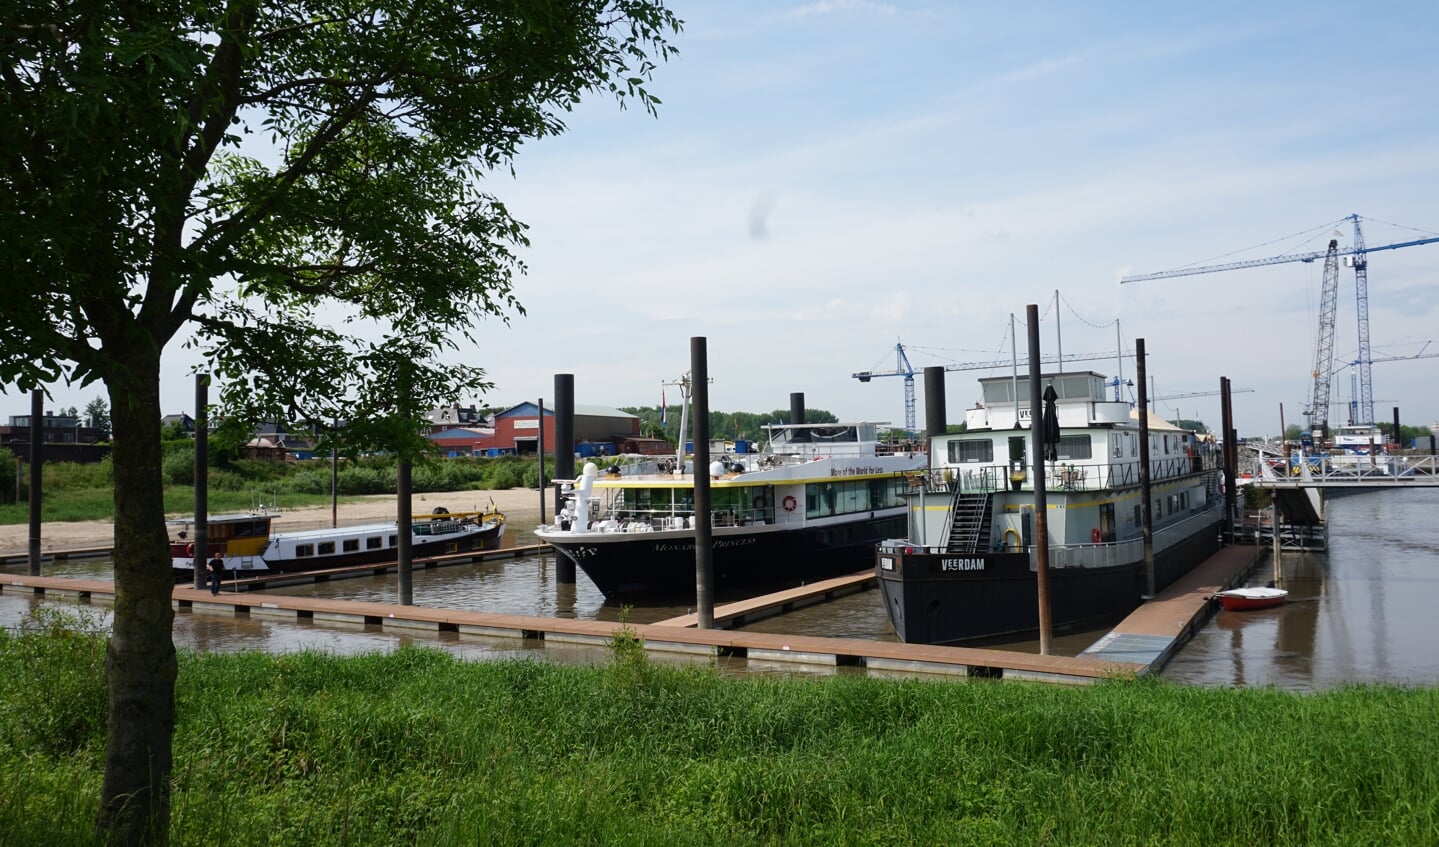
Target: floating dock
1140 645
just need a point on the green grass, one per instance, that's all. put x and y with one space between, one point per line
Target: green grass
419 748
82 492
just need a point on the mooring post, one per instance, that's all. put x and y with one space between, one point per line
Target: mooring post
37 450
1041 504
1146 489
202 479
564 458
704 533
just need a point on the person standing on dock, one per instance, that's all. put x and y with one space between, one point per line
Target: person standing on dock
216 567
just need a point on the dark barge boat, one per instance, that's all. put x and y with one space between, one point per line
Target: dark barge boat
967 571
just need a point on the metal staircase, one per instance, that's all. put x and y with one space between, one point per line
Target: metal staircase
969 522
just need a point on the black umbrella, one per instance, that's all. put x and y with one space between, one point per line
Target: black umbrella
1051 424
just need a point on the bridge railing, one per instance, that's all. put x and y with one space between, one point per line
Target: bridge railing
1384 470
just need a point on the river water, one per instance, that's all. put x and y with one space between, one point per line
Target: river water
1359 613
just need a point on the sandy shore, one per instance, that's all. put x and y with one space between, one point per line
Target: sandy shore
520 505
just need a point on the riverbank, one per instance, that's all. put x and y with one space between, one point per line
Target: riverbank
520 505
417 747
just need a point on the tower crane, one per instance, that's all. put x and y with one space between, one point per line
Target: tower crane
1318 412
902 368
1360 262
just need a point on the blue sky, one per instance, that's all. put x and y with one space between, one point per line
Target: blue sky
826 178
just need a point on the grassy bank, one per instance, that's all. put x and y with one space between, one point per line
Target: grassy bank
419 748
76 492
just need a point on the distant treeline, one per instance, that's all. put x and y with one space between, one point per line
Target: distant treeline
747 425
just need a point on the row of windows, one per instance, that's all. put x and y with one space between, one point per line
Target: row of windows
822 499
843 498
348 545
1071 447
1164 506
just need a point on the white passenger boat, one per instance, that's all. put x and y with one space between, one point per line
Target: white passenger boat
249 545
811 504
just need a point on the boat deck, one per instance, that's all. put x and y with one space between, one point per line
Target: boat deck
1139 645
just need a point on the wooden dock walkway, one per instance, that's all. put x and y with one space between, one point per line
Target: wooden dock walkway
1138 646
1156 630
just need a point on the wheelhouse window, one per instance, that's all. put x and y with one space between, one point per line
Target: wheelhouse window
971 451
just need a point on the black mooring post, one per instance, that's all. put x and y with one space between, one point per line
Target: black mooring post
540 449
936 418
704 533
202 479
1146 483
37 451
1041 497
404 518
564 458
1229 456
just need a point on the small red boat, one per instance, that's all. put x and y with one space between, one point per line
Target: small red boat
1244 599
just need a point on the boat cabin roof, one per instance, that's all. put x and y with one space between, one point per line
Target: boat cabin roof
825 433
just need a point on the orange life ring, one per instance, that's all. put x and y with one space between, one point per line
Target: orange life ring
790 504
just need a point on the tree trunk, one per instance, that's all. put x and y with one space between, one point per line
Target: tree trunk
140 664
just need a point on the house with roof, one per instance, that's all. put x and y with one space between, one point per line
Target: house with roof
518 429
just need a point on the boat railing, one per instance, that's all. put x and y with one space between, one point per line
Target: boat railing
1107 554
660 519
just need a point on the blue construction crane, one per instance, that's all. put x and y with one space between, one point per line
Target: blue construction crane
902 368
1360 262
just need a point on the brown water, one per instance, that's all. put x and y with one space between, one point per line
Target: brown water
1360 613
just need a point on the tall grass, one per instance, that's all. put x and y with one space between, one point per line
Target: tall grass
417 747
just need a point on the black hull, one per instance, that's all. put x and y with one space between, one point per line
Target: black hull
471 542
947 598
654 567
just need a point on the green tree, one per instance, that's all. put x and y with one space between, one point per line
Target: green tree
97 415
298 185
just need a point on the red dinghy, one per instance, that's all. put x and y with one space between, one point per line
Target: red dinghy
1244 599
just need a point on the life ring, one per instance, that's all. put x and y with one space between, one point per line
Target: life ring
790 504
190 550
759 501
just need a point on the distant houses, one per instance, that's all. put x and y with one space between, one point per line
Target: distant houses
63 437
456 430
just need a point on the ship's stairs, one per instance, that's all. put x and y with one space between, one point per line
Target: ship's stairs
970 516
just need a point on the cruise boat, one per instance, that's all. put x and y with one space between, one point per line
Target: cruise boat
966 570
248 544
811 504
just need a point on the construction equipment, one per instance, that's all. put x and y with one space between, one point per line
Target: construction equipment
901 368
1318 411
904 369
1360 262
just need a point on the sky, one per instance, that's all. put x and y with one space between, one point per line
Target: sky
827 179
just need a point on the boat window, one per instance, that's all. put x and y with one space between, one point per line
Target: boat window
303 550
327 548
374 542
971 451
351 545
1074 447
394 540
